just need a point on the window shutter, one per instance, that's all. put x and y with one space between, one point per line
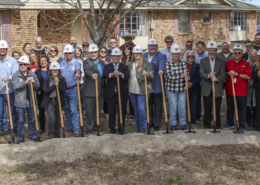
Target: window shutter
247 21
201 17
6 27
228 20
212 17
190 21
176 24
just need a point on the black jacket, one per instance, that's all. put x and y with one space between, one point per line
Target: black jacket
47 89
38 73
256 78
112 82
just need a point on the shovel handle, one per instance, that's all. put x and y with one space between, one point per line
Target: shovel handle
60 109
164 104
119 99
80 107
147 103
34 108
9 106
214 100
97 105
188 100
234 96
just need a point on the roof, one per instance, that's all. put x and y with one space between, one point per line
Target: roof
177 4
11 2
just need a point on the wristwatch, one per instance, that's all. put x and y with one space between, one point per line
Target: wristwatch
238 74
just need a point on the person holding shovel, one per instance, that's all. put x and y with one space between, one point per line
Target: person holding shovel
23 98
50 100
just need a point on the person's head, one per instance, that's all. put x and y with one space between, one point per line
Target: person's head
68 52
16 54
116 55
23 63
238 52
252 55
73 41
54 71
27 48
78 53
201 47
225 47
176 52
103 54
189 45
212 49
138 57
3 48
190 56
257 39
249 45
168 41
93 52
54 51
44 61
152 46
112 42
33 58
127 51
38 42
128 38
85 47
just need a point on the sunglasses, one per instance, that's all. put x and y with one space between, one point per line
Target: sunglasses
249 46
191 56
68 53
112 42
53 51
103 51
237 53
169 41
22 64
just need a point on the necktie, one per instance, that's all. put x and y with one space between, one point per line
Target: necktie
115 67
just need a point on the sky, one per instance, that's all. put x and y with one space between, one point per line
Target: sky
254 2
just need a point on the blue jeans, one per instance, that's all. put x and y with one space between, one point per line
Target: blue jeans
31 121
194 96
71 109
82 99
177 100
3 122
139 104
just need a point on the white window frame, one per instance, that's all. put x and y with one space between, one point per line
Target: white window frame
205 17
237 21
183 21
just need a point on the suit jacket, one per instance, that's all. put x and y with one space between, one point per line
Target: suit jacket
195 77
158 62
89 87
112 82
205 70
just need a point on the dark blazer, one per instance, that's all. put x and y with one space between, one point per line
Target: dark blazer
205 70
256 78
112 82
89 87
195 77
47 89
38 73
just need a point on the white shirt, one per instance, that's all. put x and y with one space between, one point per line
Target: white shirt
226 55
133 85
212 64
150 58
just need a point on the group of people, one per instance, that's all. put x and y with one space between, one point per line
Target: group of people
48 73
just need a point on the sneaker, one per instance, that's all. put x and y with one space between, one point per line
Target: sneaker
173 128
228 126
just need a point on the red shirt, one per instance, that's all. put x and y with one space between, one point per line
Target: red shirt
241 85
32 68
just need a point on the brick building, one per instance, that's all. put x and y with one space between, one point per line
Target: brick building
219 20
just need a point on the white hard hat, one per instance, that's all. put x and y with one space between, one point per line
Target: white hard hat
175 48
3 44
68 48
238 46
54 66
258 53
152 41
92 48
116 52
24 59
137 49
212 44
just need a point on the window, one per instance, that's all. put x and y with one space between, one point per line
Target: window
206 17
237 21
183 21
135 23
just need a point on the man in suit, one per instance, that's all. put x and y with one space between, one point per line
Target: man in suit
111 72
212 69
158 61
93 68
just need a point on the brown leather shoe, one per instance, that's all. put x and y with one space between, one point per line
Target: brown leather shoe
142 132
137 131
1 133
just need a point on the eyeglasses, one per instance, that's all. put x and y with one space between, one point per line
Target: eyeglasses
52 51
191 56
169 41
188 45
103 51
22 64
85 46
68 53
237 53
112 42
249 45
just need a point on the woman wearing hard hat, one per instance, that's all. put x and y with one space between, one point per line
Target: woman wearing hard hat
50 101
139 68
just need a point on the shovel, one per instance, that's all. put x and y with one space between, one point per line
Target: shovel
214 108
38 139
119 106
97 107
80 110
147 107
188 108
164 108
10 117
235 104
60 110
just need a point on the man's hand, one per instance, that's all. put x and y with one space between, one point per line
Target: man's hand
77 75
5 79
82 78
95 76
145 73
189 84
184 75
56 79
30 80
212 74
57 83
160 72
117 73
214 79
186 78
232 73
